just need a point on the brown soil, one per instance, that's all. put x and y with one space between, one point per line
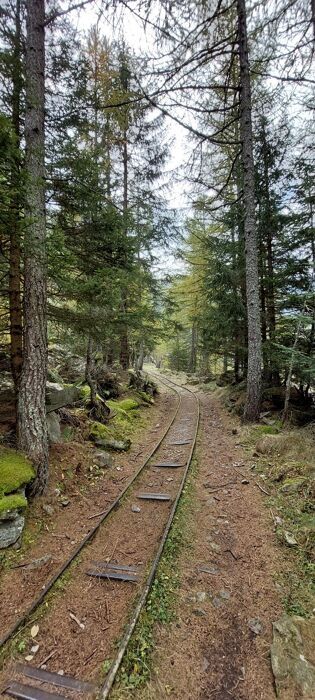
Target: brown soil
210 652
89 492
128 538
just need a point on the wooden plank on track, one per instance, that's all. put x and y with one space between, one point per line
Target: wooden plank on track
27 692
41 674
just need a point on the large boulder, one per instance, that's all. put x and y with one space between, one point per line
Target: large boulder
112 444
293 657
10 530
53 428
67 365
11 518
58 396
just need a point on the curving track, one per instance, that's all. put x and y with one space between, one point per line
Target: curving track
131 540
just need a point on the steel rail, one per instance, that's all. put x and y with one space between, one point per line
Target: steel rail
22 620
111 676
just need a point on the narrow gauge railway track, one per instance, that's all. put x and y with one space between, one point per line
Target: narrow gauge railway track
22 619
126 550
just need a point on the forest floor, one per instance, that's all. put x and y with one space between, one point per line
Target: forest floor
78 493
218 591
211 649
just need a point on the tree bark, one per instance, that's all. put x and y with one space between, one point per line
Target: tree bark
32 427
15 302
270 296
193 348
253 399
140 358
124 342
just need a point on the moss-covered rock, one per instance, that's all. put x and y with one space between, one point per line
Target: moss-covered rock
98 431
15 471
9 505
127 404
293 485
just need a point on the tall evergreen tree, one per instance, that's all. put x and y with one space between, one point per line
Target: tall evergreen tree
32 428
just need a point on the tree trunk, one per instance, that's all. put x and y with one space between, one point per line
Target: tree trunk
124 342
32 427
193 349
270 294
124 356
285 414
15 302
140 358
89 371
253 399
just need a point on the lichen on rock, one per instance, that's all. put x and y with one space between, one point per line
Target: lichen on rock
293 657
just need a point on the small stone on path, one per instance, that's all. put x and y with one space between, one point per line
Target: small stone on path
211 502
135 509
290 539
205 664
103 459
216 547
255 626
209 569
48 509
199 612
217 602
200 596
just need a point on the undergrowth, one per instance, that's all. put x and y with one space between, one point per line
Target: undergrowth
161 604
285 460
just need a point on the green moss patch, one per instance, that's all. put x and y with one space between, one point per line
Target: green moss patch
15 471
260 430
14 502
98 431
128 404
85 393
123 407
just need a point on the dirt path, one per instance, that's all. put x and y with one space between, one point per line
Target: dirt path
211 650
